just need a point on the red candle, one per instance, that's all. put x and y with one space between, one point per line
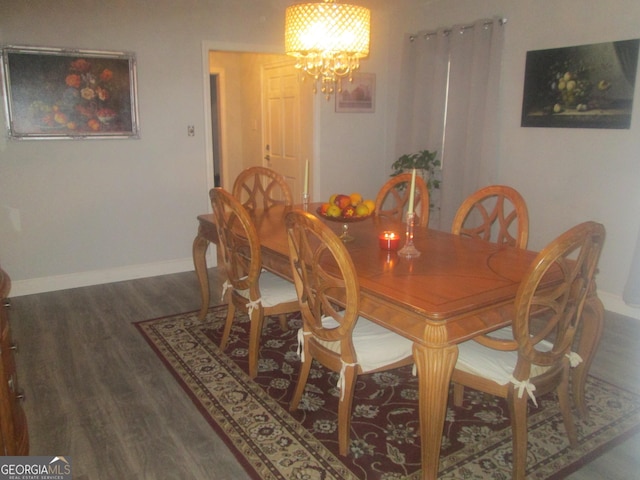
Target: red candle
389 240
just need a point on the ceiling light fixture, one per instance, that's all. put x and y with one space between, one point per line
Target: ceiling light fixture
328 39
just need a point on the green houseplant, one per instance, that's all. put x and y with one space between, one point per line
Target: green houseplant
424 160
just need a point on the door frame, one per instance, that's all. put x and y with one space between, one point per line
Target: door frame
222 130
208 183
207 46
305 88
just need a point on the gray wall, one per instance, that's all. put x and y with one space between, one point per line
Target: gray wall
82 212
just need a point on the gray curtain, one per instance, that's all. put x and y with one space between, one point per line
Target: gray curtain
448 102
631 294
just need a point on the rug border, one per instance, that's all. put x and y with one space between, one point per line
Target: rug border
253 473
599 451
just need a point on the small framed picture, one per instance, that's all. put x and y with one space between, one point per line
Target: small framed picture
53 93
357 96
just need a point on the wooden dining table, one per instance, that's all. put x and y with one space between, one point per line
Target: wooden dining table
456 289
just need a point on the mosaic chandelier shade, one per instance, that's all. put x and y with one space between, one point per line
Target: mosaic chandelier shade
328 40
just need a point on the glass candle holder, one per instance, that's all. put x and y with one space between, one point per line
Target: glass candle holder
409 250
389 240
305 202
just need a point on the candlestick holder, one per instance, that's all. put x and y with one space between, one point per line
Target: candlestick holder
305 202
409 250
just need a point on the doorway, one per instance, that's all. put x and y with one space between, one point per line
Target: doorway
215 129
245 116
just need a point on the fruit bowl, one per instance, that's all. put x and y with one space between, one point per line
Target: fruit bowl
345 221
346 207
342 219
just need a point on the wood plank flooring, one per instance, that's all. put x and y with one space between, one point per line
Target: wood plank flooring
96 392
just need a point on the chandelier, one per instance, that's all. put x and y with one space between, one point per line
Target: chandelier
328 40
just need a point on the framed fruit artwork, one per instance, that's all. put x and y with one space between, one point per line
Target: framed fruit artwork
54 93
585 86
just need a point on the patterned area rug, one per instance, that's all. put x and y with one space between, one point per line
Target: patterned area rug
271 443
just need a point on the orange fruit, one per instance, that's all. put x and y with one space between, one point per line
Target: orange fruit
356 199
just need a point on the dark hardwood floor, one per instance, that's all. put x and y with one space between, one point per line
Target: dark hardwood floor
96 392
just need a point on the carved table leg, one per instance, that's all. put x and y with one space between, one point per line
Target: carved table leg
434 365
200 245
592 324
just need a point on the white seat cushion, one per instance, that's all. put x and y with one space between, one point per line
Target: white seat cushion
274 290
376 346
495 365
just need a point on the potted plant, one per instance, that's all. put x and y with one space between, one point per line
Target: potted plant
424 161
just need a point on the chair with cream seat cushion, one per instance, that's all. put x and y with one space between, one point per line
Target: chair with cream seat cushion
259 188
392 199
248 287
333 333
496 213
533 356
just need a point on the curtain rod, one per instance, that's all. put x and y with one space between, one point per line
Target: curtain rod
501 21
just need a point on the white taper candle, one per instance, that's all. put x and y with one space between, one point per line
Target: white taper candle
412 191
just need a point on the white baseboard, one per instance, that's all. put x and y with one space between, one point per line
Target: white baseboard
97 277
612 302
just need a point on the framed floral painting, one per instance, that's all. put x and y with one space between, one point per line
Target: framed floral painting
53 93
586 86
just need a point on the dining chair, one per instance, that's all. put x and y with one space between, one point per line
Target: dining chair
534 353
261 188
248 287
392 199
492 213
333 333
496 213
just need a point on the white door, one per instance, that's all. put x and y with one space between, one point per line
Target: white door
288 128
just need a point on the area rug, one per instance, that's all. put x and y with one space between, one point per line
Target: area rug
273 443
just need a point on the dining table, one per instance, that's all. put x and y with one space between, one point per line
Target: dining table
456 289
